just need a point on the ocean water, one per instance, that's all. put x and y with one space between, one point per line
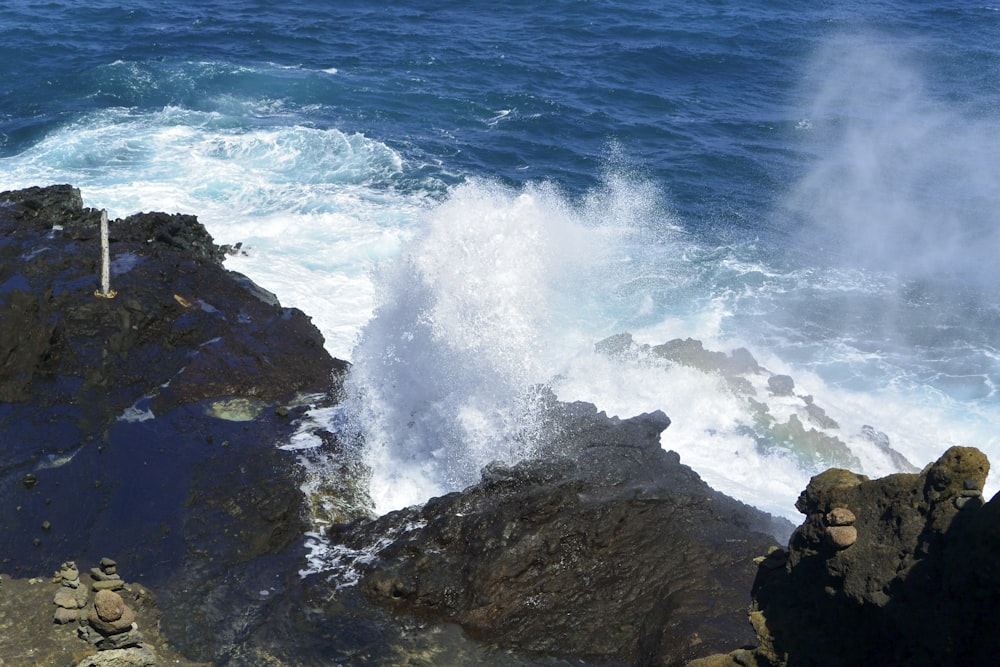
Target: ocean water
467 196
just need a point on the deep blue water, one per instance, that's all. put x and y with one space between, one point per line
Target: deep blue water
705 99
815 182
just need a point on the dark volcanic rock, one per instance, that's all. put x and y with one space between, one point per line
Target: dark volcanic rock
110 410
692 352
604 547
181 329
919 586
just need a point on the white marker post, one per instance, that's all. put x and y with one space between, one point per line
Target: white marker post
105 292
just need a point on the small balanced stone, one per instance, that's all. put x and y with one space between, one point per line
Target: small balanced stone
840 516
64 616
968 502
108 585
69 574
109 605
111 625
70 598
106 576
111 615
109 566
841 537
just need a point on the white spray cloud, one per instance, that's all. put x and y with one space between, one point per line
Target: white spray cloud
904 180
470 320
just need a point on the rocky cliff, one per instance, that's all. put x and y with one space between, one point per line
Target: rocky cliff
144 427
895 571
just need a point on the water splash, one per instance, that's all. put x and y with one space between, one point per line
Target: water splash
473 316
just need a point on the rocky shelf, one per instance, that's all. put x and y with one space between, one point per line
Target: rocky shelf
145 427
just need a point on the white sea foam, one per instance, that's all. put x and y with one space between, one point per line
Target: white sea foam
138 411
343 566
482 296
707 428
492 299
310 206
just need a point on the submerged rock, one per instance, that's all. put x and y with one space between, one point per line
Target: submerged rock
803 430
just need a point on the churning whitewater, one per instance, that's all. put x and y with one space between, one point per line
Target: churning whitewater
466 203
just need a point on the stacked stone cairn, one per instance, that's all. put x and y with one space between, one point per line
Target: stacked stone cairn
971 495
71 596
110 623
106 577
840 530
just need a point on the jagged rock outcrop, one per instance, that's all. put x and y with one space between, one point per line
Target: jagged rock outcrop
895 571
181 329
145 426
604 547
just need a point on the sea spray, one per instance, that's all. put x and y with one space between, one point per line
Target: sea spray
523 303
473 318
316 208
904 174
505 292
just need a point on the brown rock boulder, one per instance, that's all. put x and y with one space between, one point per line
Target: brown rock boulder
840 516
906 576
841 537
108 628
109 605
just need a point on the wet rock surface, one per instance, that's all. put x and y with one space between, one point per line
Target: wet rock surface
113 438
145 427
605 548
181 329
